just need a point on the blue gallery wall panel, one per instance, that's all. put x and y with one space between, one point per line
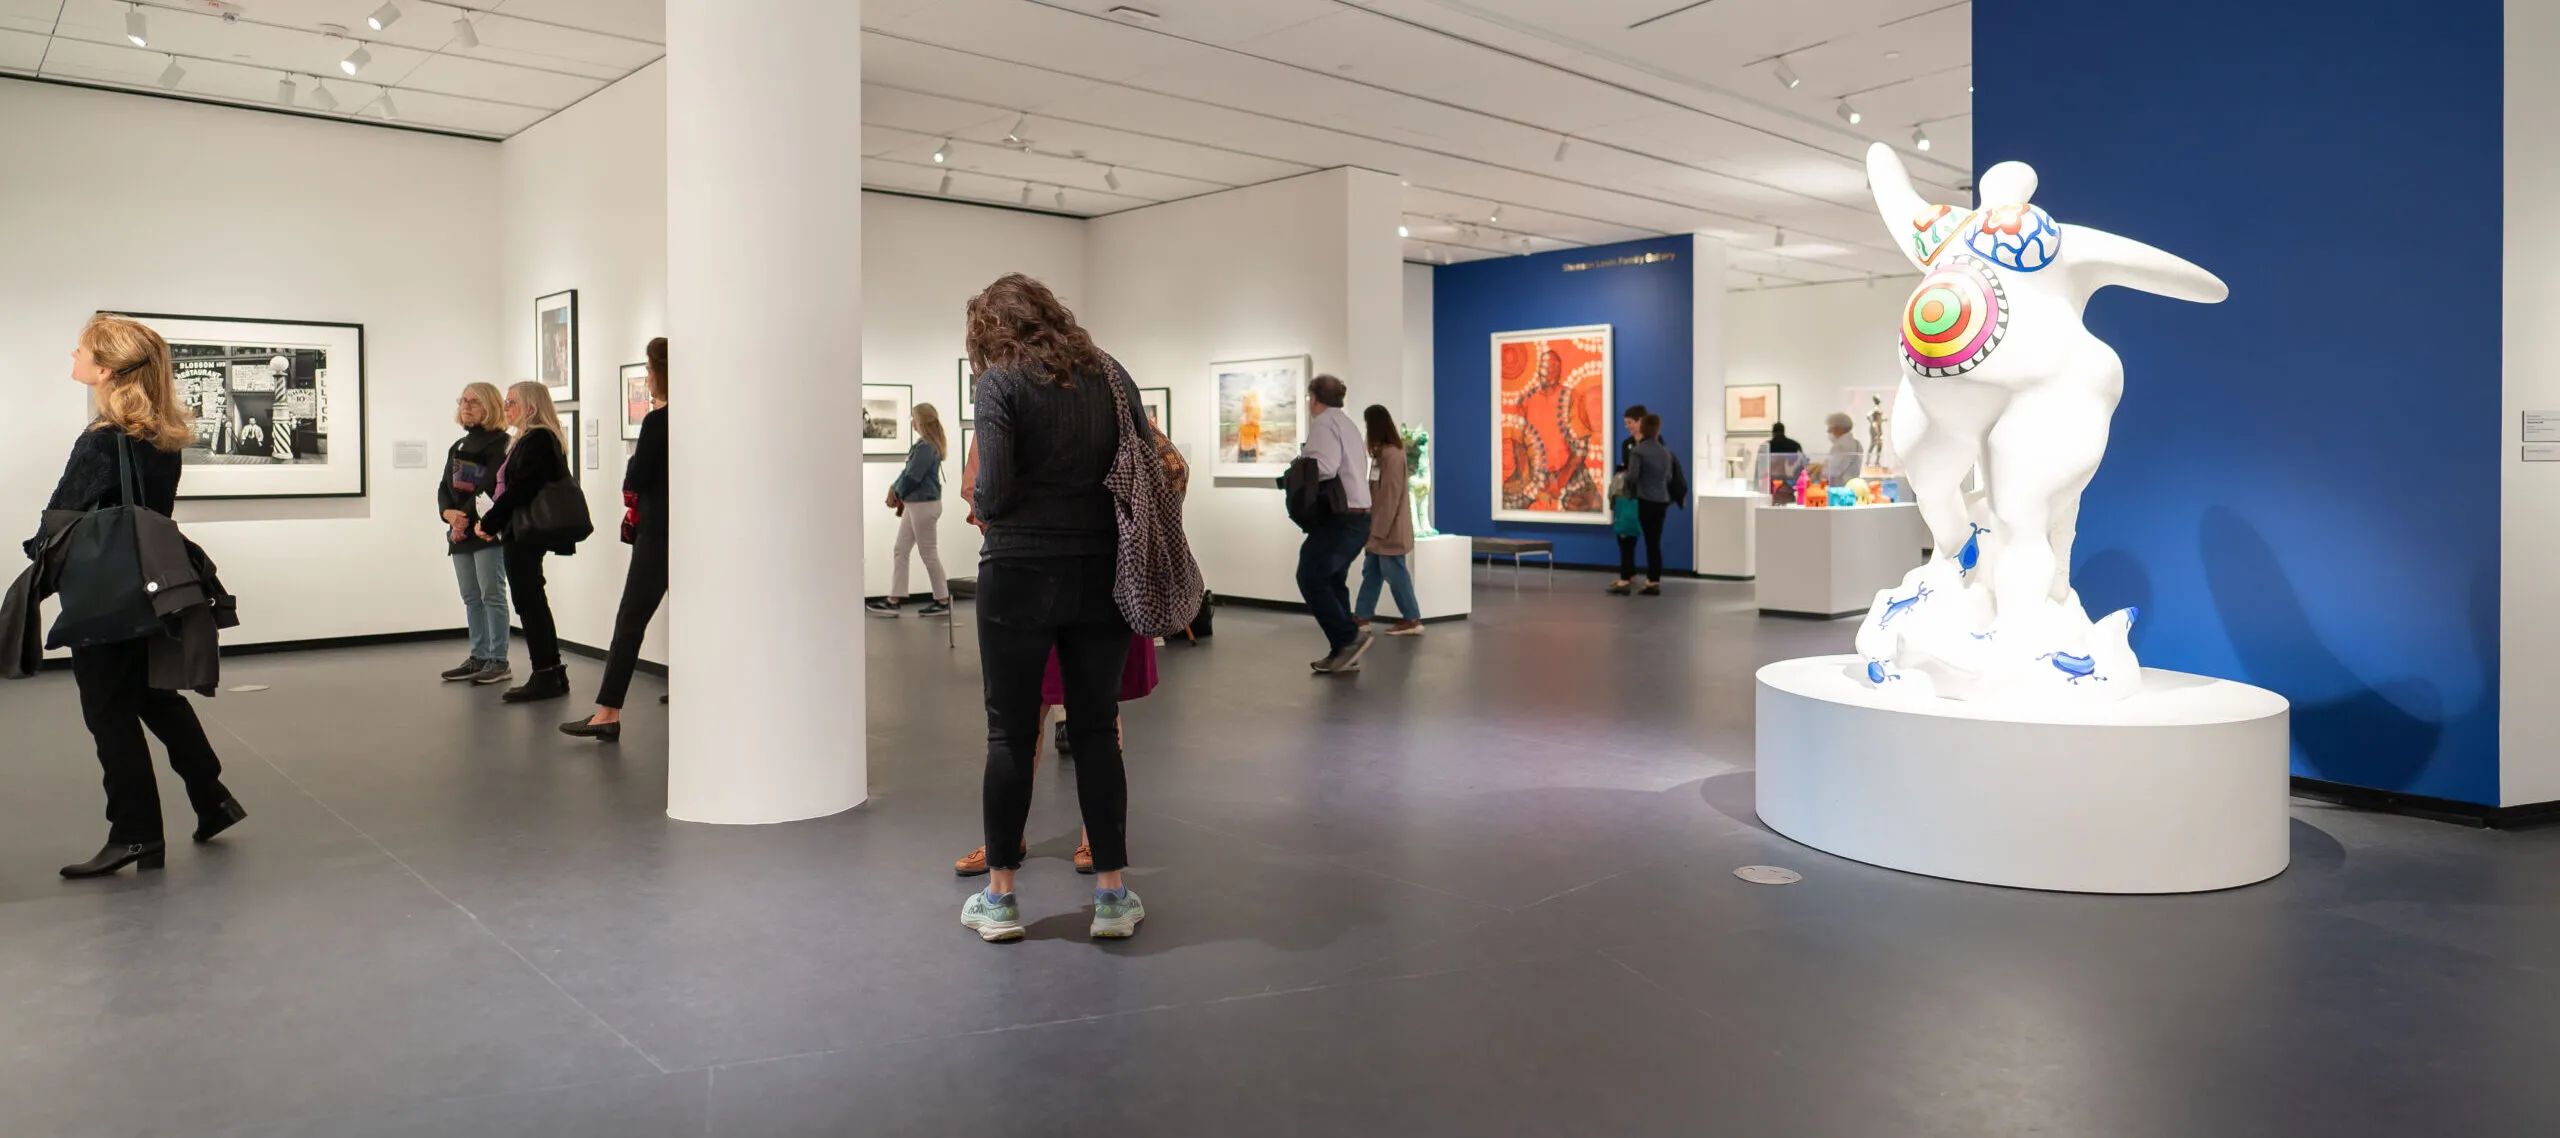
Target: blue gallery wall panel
2302 486
1648 308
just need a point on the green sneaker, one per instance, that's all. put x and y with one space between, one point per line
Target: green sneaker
1117 914
994 918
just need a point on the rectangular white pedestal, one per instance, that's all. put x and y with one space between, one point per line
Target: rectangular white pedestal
1830 562
1727 546
1444 579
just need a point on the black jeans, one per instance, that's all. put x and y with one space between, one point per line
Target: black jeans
642 589
1649 517
1025 608
1324 568
118 703
533 606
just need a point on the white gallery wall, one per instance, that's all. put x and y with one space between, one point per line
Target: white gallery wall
2528 726
1815 342
1417 409
114 201
1308 265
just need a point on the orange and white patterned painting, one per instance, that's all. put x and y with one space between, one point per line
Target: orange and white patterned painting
1551 425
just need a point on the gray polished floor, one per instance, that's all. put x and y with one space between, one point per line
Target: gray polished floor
1482 889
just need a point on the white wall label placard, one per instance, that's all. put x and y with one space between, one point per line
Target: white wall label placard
2542 452
408 454
2542 426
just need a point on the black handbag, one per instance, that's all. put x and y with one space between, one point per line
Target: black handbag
557 518
105 599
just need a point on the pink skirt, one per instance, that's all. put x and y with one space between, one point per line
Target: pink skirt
1137 677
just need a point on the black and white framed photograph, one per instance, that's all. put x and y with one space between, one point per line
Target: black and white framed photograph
278 405
885 429
1159 404
555 344
569 442
637 401
968 393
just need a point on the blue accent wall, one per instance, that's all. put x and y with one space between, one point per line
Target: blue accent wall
2301 490
1648 309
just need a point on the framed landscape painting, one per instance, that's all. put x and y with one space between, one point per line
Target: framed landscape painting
636 400
1262 415
1552 392
278 405
555 344
1750 409
885 429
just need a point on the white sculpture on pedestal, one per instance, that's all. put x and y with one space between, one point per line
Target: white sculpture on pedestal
2001 381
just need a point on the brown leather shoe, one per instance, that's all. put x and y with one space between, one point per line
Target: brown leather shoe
975 864
1084 856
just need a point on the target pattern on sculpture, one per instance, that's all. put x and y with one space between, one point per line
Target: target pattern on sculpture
1956 318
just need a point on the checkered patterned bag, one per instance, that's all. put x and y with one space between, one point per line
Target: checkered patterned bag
1158 583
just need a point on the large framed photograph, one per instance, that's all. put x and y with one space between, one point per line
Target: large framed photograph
885 407
637 402
1262 415
1552 393
555 344
1750 409
278 405
569 443
968 412
1159 404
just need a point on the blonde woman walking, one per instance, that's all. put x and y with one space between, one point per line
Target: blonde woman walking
917 499
537 458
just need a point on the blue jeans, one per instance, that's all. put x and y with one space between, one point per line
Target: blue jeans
1392 570
483 576
1324 568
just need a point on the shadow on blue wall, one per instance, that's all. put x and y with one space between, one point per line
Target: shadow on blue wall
1649 313
2297 497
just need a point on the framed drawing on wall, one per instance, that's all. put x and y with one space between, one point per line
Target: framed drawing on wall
637 402
1552 393
1159 404
555 344
278 405
569 442
968 439
1262 415
885 429
968 409
1750 408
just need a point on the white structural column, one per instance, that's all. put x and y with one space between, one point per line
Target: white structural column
764 315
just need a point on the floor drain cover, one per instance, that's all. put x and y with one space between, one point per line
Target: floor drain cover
1768 875
248 687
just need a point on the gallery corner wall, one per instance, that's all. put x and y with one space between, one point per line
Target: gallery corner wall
115 201
2302 486
1648 307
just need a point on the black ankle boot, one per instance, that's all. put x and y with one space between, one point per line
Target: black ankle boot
224 815
545 683
113 856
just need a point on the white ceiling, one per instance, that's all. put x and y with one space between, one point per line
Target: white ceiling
1676 118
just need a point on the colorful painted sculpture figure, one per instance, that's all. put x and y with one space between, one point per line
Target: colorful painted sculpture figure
2001 377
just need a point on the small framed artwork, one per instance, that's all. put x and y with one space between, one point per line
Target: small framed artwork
636 400
968 411
885 429
555 344
569 443
1262 415
968 439
1159 404
278 405
1750 408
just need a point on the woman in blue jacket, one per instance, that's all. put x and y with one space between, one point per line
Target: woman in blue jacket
917 498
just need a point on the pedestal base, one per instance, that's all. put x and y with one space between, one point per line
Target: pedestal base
1831 562
2180 789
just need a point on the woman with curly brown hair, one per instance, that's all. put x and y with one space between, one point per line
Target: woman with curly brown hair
125 365
1049 426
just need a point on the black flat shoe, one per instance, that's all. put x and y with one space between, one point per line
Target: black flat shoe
545 683
112 857
224 815
600 732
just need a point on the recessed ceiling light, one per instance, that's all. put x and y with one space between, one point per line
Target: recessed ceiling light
173 74
464 35
1401 231
1848 114
355 60
136 28
942 153
1111 177
388 110
383 17
1496 219
1920 137
1014 136
1787 75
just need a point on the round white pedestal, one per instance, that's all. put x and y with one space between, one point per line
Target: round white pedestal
2180 789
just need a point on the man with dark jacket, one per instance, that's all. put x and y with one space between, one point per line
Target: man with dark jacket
1335 539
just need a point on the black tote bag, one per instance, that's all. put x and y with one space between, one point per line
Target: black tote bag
557 518
105 599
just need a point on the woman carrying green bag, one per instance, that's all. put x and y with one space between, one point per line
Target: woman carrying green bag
1643 500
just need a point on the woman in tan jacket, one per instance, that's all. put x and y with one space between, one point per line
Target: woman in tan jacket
1390 527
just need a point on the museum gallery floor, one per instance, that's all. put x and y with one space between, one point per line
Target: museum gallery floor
1484 889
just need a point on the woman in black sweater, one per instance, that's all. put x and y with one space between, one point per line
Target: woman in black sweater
471 473
1048 428
536 459
644 485
126 366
